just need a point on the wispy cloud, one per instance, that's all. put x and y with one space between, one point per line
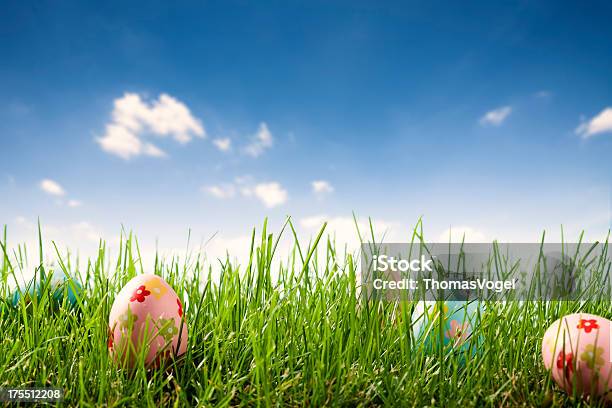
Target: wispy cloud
223 144
261 141
222 192
322 187
271 194
134 117
52 187
495 117
601 123
74 203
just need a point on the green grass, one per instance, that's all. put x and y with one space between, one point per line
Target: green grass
274 332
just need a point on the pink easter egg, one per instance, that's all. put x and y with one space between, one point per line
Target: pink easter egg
576 348
147 314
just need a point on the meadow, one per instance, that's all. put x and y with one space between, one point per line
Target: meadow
279 330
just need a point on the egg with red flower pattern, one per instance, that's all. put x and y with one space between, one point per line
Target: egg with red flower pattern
146 321
576 348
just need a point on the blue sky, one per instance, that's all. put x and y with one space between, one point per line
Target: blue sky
493 120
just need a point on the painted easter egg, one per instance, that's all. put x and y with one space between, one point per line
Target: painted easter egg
61 286
448 324
576 348
146 322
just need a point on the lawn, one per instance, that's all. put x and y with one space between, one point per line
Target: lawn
280 330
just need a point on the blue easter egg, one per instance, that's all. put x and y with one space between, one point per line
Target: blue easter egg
448 325
59 284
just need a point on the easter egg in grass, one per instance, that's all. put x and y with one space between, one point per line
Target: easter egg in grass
447 324
146 322
576 349
63 289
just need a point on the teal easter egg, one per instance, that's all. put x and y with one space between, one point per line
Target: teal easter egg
58 284
448 325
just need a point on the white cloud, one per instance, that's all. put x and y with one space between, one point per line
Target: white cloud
153 151
496 117
322 187
223 144
74 203
271 194
244 185
52 187
457 234
602 123
222 191
261 141
121 142
133 117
